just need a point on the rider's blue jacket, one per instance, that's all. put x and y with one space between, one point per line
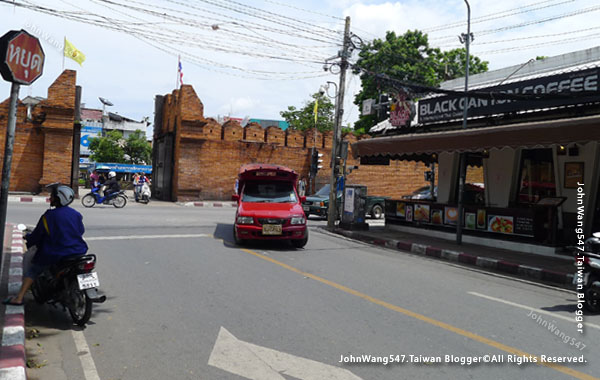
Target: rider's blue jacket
59 233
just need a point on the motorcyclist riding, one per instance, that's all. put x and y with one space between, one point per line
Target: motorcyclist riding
112 185
58 233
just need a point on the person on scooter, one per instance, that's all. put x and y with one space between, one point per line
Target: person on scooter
112 185
58 233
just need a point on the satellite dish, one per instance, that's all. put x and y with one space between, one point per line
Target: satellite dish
106 102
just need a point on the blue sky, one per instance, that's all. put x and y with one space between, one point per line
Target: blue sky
249 78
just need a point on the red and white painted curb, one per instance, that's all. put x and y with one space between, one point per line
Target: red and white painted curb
28 199
12 350
209 204
540 274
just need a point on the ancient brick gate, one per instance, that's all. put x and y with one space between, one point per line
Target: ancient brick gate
44 138
197 158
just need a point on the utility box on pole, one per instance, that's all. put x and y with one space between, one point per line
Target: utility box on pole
354 209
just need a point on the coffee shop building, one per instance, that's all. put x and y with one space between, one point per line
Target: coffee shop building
536 136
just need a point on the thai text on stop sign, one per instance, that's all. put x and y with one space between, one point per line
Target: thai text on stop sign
24 57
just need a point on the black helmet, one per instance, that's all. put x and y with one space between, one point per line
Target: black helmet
592 245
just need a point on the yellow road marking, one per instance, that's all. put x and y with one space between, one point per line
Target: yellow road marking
445 326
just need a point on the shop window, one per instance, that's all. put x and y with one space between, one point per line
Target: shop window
536 176
474 192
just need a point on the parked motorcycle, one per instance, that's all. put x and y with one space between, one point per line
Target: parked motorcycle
73 283
145 193
118 199
590 282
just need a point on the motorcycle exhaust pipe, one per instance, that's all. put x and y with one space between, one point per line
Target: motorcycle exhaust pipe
93 296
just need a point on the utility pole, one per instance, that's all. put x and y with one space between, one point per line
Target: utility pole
337 128
463 156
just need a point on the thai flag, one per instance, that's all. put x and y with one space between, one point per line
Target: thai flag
180 71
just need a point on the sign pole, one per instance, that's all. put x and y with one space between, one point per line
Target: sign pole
8 153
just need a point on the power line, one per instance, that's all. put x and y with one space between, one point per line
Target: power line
526 38
528 23
304 10
265 18
281 16
497 15
118 25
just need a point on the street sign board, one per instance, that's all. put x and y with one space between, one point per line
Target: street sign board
21 57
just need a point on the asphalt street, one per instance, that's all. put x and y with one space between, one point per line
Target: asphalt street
185 303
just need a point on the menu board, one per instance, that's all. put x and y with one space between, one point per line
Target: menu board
422 213
409 213
501 224
401 209
437 216
524 226
450 215
481 219
470 220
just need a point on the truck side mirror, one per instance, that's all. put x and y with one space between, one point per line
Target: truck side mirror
235 197
302 199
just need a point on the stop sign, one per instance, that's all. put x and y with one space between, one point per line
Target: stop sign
21 57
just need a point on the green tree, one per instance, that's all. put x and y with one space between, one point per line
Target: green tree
407 58
137 148
108 148
304 118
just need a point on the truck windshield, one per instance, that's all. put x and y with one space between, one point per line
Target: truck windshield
274 192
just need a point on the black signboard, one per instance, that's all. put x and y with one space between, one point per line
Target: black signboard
580 86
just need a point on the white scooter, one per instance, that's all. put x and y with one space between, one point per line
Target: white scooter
145 193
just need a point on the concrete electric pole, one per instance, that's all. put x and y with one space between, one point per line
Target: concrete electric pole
337 128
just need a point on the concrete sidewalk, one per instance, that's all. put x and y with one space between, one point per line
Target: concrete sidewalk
12 318
555 270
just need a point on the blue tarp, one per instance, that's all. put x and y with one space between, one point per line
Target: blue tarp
124 168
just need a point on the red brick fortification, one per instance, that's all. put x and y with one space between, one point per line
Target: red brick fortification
207 155
43 144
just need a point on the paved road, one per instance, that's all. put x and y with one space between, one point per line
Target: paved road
184 303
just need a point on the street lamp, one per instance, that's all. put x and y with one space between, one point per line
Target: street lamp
105 102
466 39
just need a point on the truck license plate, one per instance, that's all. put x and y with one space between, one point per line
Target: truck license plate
271 229
88 280
306 208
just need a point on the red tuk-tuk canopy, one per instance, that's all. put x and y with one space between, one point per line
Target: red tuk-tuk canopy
272 172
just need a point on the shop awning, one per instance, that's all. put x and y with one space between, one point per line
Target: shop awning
532 134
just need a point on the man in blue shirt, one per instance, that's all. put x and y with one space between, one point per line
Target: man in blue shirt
58 233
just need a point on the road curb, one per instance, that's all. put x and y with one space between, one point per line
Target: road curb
28 199
12 348
538 274
208 204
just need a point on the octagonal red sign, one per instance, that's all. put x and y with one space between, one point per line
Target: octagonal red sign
21 57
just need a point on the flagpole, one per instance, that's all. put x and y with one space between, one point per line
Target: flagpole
177 79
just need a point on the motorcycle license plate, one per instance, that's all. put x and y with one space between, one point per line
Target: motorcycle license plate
271 229
88 280
585 279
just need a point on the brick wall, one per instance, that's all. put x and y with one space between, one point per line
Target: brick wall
43 145
208 156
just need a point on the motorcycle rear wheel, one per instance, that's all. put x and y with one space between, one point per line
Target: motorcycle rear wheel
88 200
79 304
592 298
119 201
